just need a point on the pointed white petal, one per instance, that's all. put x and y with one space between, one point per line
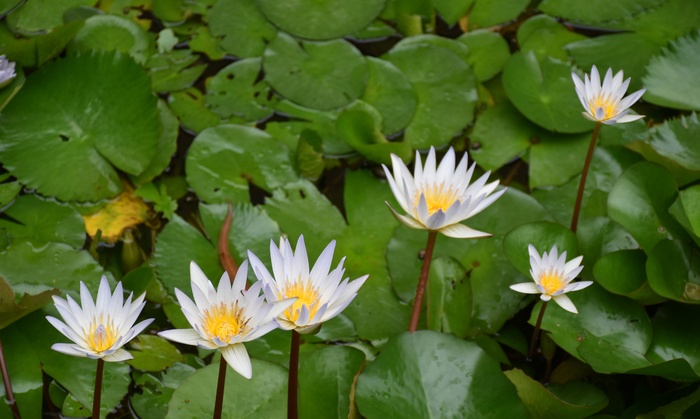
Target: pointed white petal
406 220
576 286
460 231
237 357
118 356
565 302
186 336
526 288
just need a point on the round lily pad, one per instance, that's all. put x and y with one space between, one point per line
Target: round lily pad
488 52
237 90
240 27
223 159
95 123
319 75
112 33
597 10
39 16
321 19
446 92
677 139
544 93
391 94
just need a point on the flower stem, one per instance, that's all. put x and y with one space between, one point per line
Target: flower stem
584 175
536 332
9 395
219 402
422 282
98 389
292 386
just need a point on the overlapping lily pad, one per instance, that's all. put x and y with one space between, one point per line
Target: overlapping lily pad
668 75
94 121
240 27
112 33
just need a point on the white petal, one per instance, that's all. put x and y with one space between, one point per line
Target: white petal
460 231
186 336
629 118
69 349
576 286
118 356
406 220
323 264
237 357
526 288
565 302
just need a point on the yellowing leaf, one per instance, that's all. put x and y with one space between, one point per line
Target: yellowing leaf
125 211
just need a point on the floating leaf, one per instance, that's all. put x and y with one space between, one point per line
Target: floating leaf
546 37
325 380
152 353
263 395
223 159
452 10
166 147
37 50
445 88
14 308
321 19
190 109
500 134
241 28
389 91
597 10
112 33
359 130
487 13
622 272
35 17
544 93
555 159
669 75
673 339
674 271
41 138
311 74
449 298
488 52
677 140
432 375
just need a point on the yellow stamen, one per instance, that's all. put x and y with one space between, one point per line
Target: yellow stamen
101 334
306 294
551 282
223 322
608 105
438 197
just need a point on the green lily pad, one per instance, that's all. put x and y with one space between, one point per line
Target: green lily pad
7 6
449 298
359 129
486 13
599 236
500 134
673 269
310 73
445 87
611 333
13 308
639 201
112 33
544 93
152 353
376 312
236 90
597 10
488 53
41 138
168 10
153 394
543 235
677 140
35 17
321 19
390 92
623 273
674 339
452 10
41 221
300 208
165 148
669 75
263 395
240 27
325 381
191 111
251 228
35 51
223 159
622 51
432 375
546 37
555 159
575 399
690 199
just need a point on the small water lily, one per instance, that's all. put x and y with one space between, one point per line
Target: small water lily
7 71
321 295
225 317
604 103
553 276
439 198
99 329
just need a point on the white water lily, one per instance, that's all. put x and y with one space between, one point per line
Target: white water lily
225 317
553 276
604 103
439 198
7 71
100 328
321 294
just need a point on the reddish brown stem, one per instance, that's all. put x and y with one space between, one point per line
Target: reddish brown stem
584 175
536 332
98 389
9 395
422 282
219 401
293 383
224 251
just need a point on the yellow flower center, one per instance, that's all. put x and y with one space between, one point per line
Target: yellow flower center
438 197
223 322
101 334
551 282
608 105
306 294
